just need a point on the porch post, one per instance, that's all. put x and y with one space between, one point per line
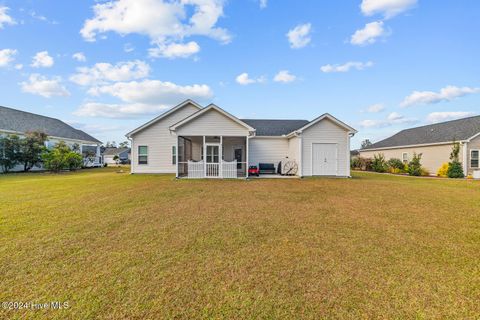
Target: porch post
204 159
246 156
465 158
176 157
98 155
220 159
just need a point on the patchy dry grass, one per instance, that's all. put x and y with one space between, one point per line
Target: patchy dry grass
117 246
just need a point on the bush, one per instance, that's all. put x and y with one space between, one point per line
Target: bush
415 166
379 164
61 157
455 169
424 172
395 165
443 170
359 163
9 152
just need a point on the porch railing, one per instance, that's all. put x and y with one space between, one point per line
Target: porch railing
224 169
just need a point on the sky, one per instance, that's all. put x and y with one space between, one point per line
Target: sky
107 67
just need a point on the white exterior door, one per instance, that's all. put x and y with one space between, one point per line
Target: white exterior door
324 159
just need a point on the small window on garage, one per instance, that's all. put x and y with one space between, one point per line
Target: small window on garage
142 155
405 157
474 157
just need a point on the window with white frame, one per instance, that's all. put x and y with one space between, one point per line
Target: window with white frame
174 155
142 155
405 157
474 157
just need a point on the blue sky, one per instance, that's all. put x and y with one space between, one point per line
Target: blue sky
108 66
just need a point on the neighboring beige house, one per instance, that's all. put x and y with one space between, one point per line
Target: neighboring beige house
207 142
435 143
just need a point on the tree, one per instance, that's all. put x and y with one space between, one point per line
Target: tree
111 144
116 158
455 169
9 152
31 149
124 144
365 144
61 157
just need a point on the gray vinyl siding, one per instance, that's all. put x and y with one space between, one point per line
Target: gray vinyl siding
212 123
326 131
267 150
159 141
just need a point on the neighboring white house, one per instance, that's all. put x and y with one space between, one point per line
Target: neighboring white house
109 153
207 142
19 122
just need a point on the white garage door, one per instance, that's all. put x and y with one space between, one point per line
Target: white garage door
324 159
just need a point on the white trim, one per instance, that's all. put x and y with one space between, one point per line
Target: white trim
403 158
204 110
204 158
247 141
163 115
300 145
465 163
348 156
323 116
471 138
142 155
177 163
411 146
271 137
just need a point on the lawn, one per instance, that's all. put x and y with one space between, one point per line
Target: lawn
120 246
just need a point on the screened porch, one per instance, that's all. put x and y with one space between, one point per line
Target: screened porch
211 157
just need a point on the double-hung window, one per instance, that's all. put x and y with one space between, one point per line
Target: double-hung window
142 154
405 157
174 155
474 157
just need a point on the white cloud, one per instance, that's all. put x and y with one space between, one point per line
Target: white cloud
446 94
128 47
161 20
174 50
346 66
42 60
140 98
79 56
244 79
392 119
284 76
152 91
102 73
299 36
388 8
368 34
41 85
5 18
18 66
96 128
7 56
263 4
445 116
375 108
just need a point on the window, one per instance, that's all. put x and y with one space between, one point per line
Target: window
142 155
174 155
405 157
474 156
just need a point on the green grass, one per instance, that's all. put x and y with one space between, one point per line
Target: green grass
120 246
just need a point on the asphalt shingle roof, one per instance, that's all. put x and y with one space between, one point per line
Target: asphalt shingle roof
267 127
21 121
458 130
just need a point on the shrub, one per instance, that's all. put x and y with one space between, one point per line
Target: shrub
61 157
424 172
455 169
359 163
415 166
10 152
379 164
31 149
395 165
443 170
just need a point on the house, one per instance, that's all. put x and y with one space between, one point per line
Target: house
19 122
207 142
435 143
109 153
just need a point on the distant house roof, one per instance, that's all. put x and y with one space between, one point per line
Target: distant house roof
114 151
267 127
21 122
455 130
